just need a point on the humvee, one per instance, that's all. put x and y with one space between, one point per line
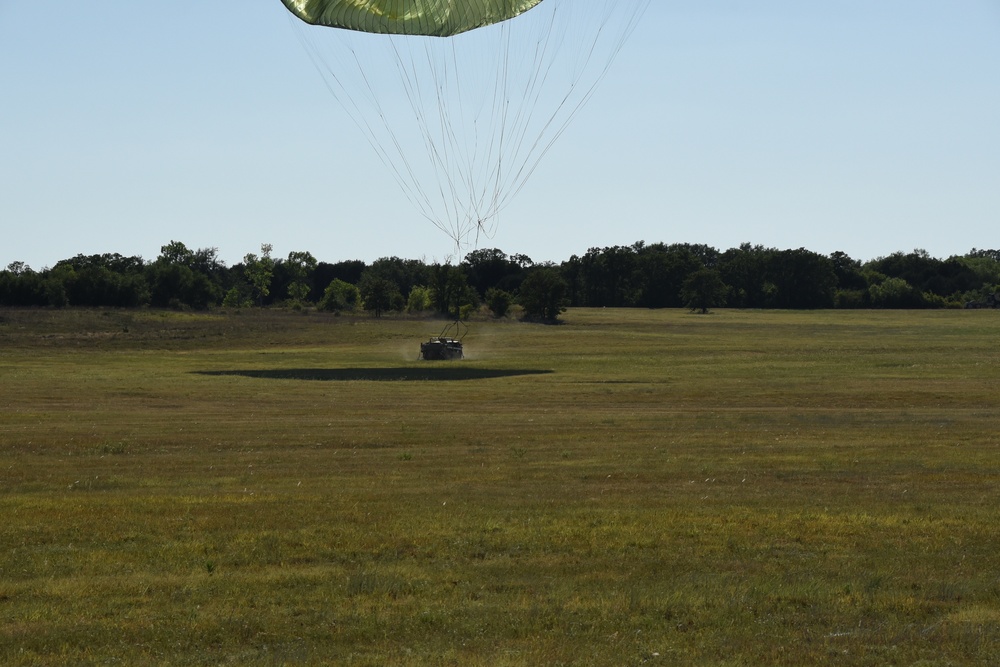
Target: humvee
445 347
441 348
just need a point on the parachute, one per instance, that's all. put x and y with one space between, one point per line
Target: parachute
461 99
408 17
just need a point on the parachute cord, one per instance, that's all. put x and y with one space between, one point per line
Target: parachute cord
481 151
541 146
406 177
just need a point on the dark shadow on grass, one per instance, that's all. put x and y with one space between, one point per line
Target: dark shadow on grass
402 374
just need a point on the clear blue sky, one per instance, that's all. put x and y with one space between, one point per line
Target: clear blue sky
861 126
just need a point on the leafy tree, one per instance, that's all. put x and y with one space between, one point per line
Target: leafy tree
986 266
21 286
613 270
419 299
340 296
236 298
704 289
745 270
499 301
100 280
491 268
986 269
348 271
183 278
259 271
991 254
402 273
113 262
177 286
450 290
661 271
543 294
299 267
896 293
802 279
572 272
55 285
928 274
379 294
18 268
176 252
848 272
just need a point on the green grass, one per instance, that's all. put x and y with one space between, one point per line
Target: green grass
631 487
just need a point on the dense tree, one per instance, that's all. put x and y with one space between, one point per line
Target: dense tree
419 299
499 301
896 293
237 296
379 294
608 276
100 280
299 267
340 296
802 279
21 286
491 268
847 271
988 254
703 290
259 271
571 271
985 264
56 285
745 270
543 294
184 278
177 286
402 273
176 252
928 274
636 275
348 271
450 290
113 262
661 271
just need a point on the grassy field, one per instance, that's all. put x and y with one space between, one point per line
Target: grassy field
631 487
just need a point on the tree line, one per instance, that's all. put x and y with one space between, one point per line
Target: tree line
492 282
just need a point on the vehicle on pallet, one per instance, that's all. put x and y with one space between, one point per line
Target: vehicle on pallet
445 347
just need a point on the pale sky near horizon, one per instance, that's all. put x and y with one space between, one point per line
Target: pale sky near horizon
859 126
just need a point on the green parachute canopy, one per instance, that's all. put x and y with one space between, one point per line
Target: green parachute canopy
438 18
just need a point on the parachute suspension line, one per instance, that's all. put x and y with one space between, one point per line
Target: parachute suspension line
459 165
440 151
478 179
441 143
483 194
473 148
500 163
544 139
445 150
456 154
532 89
437 150
408 183
485 106
511 125
410 83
